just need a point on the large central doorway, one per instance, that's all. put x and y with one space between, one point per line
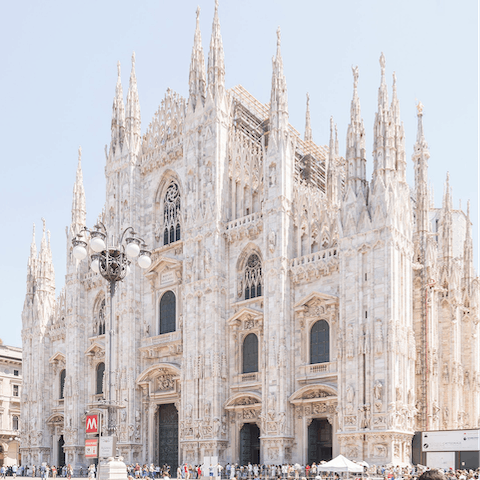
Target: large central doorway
61 452
249 444
168 436
319 441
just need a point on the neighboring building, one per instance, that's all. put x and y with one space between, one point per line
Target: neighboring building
294 309
10 392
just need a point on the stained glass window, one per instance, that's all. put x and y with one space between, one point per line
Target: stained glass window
171 215
250 353
253 277
167 313
320 342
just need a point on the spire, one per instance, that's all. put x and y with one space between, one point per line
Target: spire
118 114
356 153
382 91
278 97
133 119
46 275
79 212
420 161
196 79
447 232
308 128
32 267
33 246
216 60
384 134
331 173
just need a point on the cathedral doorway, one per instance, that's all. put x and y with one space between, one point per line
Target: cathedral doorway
168 436
249 444
319 440
61 453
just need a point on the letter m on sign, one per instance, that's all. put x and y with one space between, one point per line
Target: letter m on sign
92 424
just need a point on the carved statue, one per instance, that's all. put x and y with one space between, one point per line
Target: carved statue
355 76
420 108
188 411
377 390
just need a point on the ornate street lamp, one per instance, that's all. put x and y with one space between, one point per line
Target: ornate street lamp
113 263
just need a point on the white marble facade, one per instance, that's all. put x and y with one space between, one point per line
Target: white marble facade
265 238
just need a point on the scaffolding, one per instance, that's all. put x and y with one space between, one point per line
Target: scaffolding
252 118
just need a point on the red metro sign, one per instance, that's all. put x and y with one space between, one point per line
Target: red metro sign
91 425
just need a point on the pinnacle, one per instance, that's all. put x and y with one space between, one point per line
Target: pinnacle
216 63
33 246
308 128
197 76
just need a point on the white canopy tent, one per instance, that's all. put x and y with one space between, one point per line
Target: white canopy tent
340 464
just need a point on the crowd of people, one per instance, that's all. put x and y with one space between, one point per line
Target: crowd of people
247 472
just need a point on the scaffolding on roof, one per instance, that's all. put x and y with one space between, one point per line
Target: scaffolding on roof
252 118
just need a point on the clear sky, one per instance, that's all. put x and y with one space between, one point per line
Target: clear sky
59 73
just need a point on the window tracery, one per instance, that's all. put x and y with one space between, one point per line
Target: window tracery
100 326
253 277
171 215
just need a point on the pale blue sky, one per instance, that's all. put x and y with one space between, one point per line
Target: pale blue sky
59 72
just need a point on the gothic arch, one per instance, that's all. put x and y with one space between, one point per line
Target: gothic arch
99 306
167 178
245 253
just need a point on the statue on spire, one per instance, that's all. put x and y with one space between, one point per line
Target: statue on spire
278 37
382 63
419 108
79 154
355 76
118 68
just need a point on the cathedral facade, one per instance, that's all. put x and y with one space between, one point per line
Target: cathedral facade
294 309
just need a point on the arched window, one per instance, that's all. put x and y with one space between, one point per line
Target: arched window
253 277
99 378
62 383
250 354
167 312
15 422
171 215
320 342
101 318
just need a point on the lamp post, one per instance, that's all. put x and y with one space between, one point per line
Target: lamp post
112 261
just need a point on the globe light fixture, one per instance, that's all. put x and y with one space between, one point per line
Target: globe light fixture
79 249
132 249
144 261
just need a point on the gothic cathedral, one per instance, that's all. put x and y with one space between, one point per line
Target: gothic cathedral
294 309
